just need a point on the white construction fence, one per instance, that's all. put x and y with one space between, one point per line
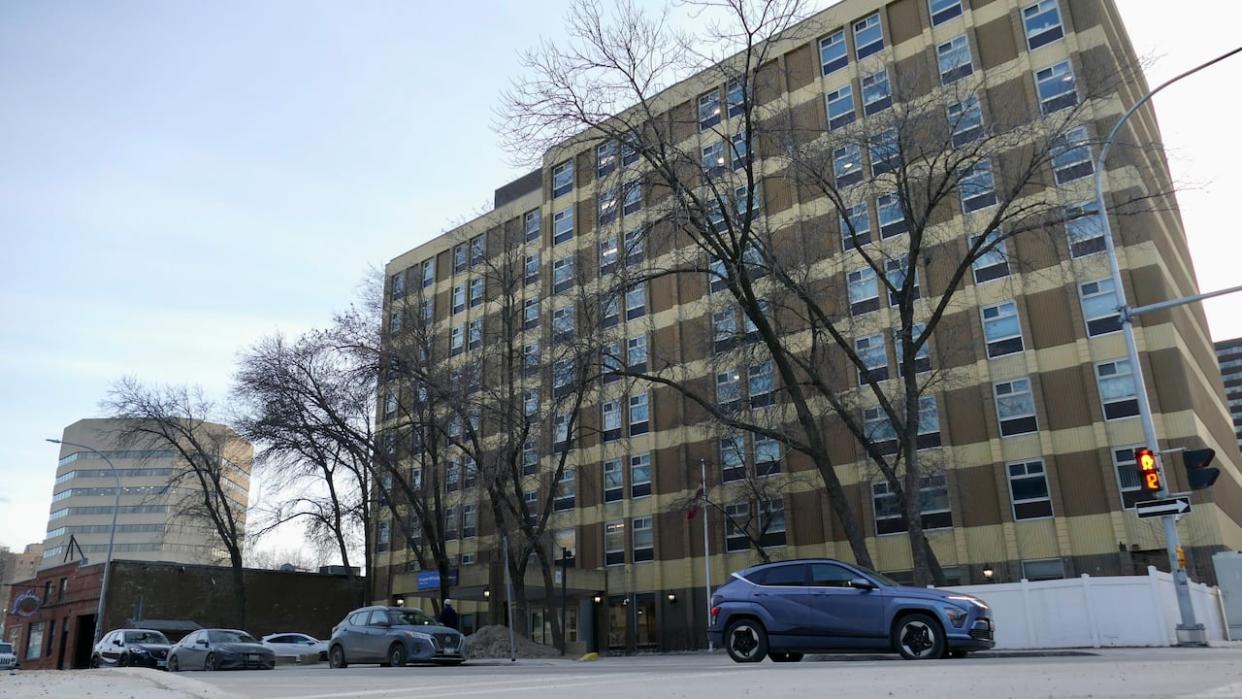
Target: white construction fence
1089 612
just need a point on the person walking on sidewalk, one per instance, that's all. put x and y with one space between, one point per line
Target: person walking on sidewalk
448 615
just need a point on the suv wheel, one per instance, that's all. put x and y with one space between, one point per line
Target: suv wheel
336 658
174 665
919 637
396 655
746 641
210 662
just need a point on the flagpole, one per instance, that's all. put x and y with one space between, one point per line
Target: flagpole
707 551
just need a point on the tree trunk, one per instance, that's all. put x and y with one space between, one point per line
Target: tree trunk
239 588
842 509
520 608
551 600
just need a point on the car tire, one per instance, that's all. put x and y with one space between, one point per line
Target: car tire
174 665
397 655
919 637
94 661
785 657
336 658
746 641
123 661
210 663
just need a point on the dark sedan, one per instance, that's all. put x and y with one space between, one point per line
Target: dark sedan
782 610
131 648
220 649
393 636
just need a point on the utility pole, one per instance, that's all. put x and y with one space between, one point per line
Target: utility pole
1189 632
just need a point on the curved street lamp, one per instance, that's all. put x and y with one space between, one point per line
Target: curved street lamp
116 507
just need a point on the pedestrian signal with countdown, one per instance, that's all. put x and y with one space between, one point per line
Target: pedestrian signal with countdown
1149 472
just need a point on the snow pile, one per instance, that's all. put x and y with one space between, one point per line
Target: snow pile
493 642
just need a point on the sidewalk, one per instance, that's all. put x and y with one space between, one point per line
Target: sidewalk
112 683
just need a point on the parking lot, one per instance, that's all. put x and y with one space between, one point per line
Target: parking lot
1165 672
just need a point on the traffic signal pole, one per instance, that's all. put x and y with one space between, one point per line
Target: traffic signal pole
1189 632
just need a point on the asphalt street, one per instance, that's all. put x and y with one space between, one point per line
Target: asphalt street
1214 673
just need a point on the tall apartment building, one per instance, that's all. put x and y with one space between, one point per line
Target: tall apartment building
1036 436
1229 354
150 526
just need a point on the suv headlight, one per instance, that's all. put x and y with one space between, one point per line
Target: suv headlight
971 600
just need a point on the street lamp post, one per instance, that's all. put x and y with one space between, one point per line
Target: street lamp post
116 507
1189 631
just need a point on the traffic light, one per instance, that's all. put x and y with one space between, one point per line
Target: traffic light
1149 471
1198 472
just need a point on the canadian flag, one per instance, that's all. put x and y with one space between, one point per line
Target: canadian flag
694 509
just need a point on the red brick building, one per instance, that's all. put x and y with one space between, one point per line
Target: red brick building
55 630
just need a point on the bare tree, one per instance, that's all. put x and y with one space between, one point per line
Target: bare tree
771 202
211 460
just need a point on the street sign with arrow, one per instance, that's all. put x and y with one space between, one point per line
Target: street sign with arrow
1162 508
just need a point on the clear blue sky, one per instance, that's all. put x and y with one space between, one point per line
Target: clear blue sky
179 178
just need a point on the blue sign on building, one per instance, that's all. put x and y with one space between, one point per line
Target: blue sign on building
430 579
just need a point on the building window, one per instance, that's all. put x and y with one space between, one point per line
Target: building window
560 431
767 456
1047 569
944 10
874 358
732 458
562 273
640 415
1055 85
644 540
476 292
532 268
398 285
868 36
459 298
457 341
1100 307
640 475
427 310
530 456
562 376
610 311
772 522
864 291
740 151
877 96
1028 490
855 223
534 222
879 430
614 543
1015 407
478 249
922 356
611 410
724 329
1042 22
607 254
760 384
636 353
429 272
736 517
631 149
469 521
394 322
605 158
977 187
892 219
735 96
1001 329
530 313
474 336
631 198
1084 229
566 488
563 225
929 423
840 107
895 273
728 388
636 301
635 242
614 481
709 110
992 264
713 160
34 641
1071 156
954 60
847 165
966 120
1128 479
562 178
461 259
934 507
885 152
832 54
564 323
1117 390
606 206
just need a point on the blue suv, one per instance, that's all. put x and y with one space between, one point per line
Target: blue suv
782 610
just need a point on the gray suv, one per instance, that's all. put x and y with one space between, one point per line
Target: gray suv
394 636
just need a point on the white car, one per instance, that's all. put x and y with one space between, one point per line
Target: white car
8 658
296 645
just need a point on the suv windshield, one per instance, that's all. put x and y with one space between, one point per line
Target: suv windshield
410 617
145 637
6 648
225 636
880 578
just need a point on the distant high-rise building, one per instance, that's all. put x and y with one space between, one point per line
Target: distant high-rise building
151 524
1229 354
